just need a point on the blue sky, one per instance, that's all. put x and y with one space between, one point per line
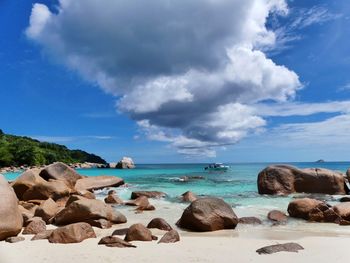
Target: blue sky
53 90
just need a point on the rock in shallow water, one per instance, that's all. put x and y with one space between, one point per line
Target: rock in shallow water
148 194
208 214
250 220
287 247
285 179
277 217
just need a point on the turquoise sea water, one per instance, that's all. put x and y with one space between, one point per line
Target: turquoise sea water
237 186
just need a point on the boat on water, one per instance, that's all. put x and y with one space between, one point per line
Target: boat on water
217 167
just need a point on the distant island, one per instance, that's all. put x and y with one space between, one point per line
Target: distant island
18 151
320 161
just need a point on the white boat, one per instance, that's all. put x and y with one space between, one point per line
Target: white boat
217 167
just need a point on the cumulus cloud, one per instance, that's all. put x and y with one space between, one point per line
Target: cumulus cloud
187 71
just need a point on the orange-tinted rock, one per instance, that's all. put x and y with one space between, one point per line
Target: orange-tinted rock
170 237
11 219
300 208
54 189
208 214
113 199
47 210
277 216
113 241
35 226
188 197
285 179
42 235
159 223
88 209
73 233
98 182
62 172
138 232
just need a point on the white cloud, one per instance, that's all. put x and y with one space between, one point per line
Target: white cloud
302 109
187 71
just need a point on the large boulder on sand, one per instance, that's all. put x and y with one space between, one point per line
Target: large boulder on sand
313 210
343 210
285 179
159 223
31 186
138 232
171 236
98 182
74 233
86 210
60 171
300 208
11 220
208 214
125 163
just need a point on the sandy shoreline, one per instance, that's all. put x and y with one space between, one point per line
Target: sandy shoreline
237 245
189 249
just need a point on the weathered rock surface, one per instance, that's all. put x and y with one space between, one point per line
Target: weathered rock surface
125 163
300 208
26 181
159 223
343 210
120 232
142 204
188 197
148 194
287 247
43 190
113 199
11 219
47 210
74 233
98 182
138 232
26 214
344 199
250 220
113 241
285 179
170 237
208 214
62 172
277 217
42 235
35 226
14 239
88 209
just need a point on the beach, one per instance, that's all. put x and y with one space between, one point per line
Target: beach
237 245
237 187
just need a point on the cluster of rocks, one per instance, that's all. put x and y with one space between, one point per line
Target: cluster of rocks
285 179
124 163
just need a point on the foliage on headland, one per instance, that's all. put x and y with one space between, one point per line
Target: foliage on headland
18 150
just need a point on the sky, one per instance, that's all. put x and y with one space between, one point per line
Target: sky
179 81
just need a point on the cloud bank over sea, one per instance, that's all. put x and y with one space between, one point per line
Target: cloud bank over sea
195 74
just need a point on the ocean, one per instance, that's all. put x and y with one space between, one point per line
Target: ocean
237 186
